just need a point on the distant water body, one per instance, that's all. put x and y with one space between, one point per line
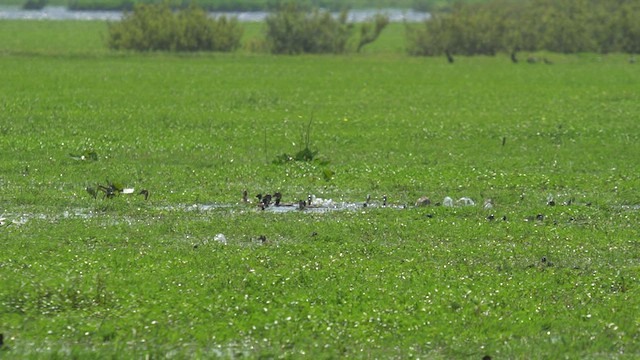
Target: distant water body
62 13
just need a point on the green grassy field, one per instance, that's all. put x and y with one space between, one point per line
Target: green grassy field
129 278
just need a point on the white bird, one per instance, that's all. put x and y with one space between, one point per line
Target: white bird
447 202
466 201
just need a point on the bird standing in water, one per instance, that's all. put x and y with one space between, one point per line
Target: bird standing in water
366 202
423 201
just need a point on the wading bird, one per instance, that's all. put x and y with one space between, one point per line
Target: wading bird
366 202
266 200
449 57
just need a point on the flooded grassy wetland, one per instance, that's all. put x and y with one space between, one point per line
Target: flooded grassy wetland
549 267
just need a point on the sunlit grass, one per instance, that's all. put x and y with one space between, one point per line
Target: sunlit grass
125 277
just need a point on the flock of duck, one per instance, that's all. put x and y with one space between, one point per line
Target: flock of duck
275 201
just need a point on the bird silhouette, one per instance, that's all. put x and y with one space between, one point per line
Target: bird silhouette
366 202
144 192
423 201
449 57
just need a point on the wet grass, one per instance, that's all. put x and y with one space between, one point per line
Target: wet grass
127 277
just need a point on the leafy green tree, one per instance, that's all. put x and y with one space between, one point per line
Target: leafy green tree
629 22
157 28
370 30
34 4
566 26
293 30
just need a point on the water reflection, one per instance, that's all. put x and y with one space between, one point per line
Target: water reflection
62 13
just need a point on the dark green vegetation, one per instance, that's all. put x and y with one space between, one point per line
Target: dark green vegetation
468 29
34 4
157 27
566 26
129 278
289 30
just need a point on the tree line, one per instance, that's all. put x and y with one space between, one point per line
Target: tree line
291 29
564 26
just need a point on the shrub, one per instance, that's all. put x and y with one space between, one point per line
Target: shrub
469 29
109 5
157 27
34 4
628 28
370 30
567 26
293 30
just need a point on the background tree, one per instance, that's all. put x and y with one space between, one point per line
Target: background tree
370 30
293 30
566 26
158 28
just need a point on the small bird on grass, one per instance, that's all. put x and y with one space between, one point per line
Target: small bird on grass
488 204
92 192
423 201
144 192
